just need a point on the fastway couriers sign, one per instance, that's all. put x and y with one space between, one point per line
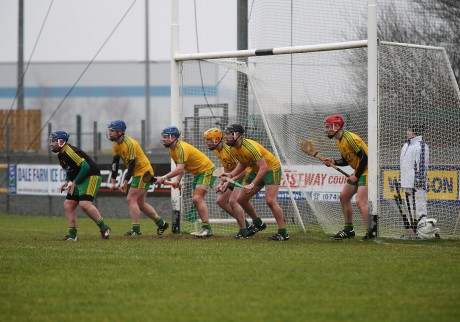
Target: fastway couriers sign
318 181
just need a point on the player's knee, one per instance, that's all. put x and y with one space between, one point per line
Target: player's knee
70 204
270 202
197 199
85 205
221 202
344 197
361 202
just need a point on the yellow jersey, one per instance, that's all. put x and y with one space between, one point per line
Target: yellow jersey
349 145
129 150
196 162
250 152
228 161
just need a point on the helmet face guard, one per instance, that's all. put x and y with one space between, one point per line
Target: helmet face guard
118 126
212 138
233 129
59 137
168 133
334 120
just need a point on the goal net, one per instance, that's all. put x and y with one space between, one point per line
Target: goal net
283 99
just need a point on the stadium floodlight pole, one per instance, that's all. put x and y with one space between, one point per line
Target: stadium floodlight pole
175 112
372 106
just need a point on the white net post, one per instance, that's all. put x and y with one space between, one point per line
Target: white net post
372 107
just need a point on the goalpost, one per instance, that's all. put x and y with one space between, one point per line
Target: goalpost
379 87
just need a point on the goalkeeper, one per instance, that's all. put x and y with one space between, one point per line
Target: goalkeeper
414 167
354 153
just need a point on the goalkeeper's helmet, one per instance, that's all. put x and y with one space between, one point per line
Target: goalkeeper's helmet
212 138
426 228
334 120
60 137
118 126
167 133
417 129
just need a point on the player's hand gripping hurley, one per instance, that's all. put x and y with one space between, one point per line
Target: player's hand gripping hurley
219 174
148 177
307 147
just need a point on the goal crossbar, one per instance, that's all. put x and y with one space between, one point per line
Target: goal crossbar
272 51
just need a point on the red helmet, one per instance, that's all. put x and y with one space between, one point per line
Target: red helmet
335 119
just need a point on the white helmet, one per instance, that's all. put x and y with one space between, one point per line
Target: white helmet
426 228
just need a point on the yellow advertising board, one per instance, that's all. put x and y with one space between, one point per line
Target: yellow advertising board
442 183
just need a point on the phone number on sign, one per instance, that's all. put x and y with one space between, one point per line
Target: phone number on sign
325 196
297 195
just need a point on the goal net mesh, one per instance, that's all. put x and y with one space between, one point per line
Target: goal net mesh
416 86
283 99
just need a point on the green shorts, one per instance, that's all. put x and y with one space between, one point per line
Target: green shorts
272 177
86 190
362 182
137 182
204 180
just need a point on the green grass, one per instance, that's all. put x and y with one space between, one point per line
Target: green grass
177 278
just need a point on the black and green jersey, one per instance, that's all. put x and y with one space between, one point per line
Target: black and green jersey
71 160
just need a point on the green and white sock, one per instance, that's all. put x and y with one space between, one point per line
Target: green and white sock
348 226
257 222
137 228
73 232
247 223
160 222
101 224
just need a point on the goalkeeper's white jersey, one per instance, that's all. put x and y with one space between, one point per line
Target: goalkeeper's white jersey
414 161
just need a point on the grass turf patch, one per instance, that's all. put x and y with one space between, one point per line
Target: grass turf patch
178 278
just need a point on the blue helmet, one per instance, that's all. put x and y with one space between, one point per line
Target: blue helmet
59 135
61 138
117 125
171 130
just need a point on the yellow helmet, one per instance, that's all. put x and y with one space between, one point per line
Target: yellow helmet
213 133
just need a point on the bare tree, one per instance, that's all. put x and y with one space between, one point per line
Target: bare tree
444 29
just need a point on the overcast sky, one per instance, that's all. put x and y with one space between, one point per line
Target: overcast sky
76 29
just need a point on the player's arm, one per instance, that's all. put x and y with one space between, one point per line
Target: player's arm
235 173
263 170
338 162
115 161
131 166
341 162
362 163
84 169
178 171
